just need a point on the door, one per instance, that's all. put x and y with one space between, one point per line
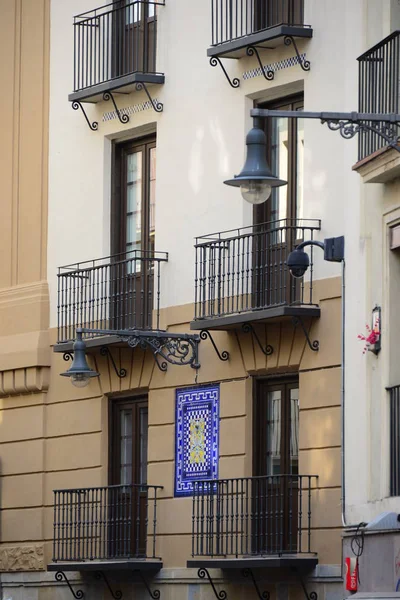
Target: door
275 231
128 501
133 234
134 46
269 13
276 459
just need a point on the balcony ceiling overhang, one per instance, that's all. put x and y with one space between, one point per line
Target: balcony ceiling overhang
273 314
267 38
108 565
122 85
301 563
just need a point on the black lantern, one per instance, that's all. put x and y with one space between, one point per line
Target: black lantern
79 372
256 179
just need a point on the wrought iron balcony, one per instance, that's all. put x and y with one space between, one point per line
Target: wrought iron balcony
238 24
115 47
120 292
379 74
113 523
252 517
241 275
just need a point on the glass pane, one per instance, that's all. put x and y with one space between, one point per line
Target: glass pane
294 431
126 447
300 168
143 444
152 219
273 441
134 201
279 159
132 12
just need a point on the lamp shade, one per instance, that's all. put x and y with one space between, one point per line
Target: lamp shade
80 372
256 179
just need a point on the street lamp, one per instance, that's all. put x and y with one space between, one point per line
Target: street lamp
256 179
80 372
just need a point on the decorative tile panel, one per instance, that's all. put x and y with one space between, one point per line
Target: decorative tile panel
292 61
196 437
129 110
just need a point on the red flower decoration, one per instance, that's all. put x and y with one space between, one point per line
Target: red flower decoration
371 337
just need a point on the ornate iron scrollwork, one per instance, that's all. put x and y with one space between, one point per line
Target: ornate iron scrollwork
309 596
105 351
76 106
158 106
173 348
262 595
304 64
123 117
268 74
348 129
60 575
202 573
314 346
248 328
156 594
214 61
224 355
117 595
68 356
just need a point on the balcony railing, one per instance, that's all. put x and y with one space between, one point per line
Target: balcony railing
105 523
115 40
245 269
233 19
252 516
116 292
395 440
379 74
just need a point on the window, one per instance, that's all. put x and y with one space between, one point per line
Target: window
285 152
395 441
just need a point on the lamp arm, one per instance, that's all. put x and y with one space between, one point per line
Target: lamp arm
311 243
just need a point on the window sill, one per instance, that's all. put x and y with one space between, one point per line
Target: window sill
380 167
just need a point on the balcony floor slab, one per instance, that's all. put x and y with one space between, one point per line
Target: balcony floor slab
302 563
121 85
133 564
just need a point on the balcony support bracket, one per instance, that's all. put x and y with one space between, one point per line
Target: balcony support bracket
308 596
202 573
304 64
265 595
123 117
154 595
105 351
60 575
78 105
117 595
224 355
214 61
158 106
314 346
68 356
248 328
269 75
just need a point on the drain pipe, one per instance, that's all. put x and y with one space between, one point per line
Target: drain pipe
343 398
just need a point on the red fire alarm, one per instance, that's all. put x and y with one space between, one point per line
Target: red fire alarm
351 574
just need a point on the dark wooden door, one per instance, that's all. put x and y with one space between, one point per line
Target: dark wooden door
129 439
269 13
275 220
133 234
276 463
134 47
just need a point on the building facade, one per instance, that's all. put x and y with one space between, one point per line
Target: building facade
210 363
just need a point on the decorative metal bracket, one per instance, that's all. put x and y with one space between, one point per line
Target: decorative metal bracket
269 75
68 356
305 64
314 346
60 575
154 595
93 126
309 596
123 117
385 125
117 595
158 106
262 595
248 328
224 355
105 351
202 573
214 61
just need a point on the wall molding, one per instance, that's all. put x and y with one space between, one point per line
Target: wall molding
28 380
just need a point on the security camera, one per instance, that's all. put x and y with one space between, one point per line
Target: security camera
298 263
